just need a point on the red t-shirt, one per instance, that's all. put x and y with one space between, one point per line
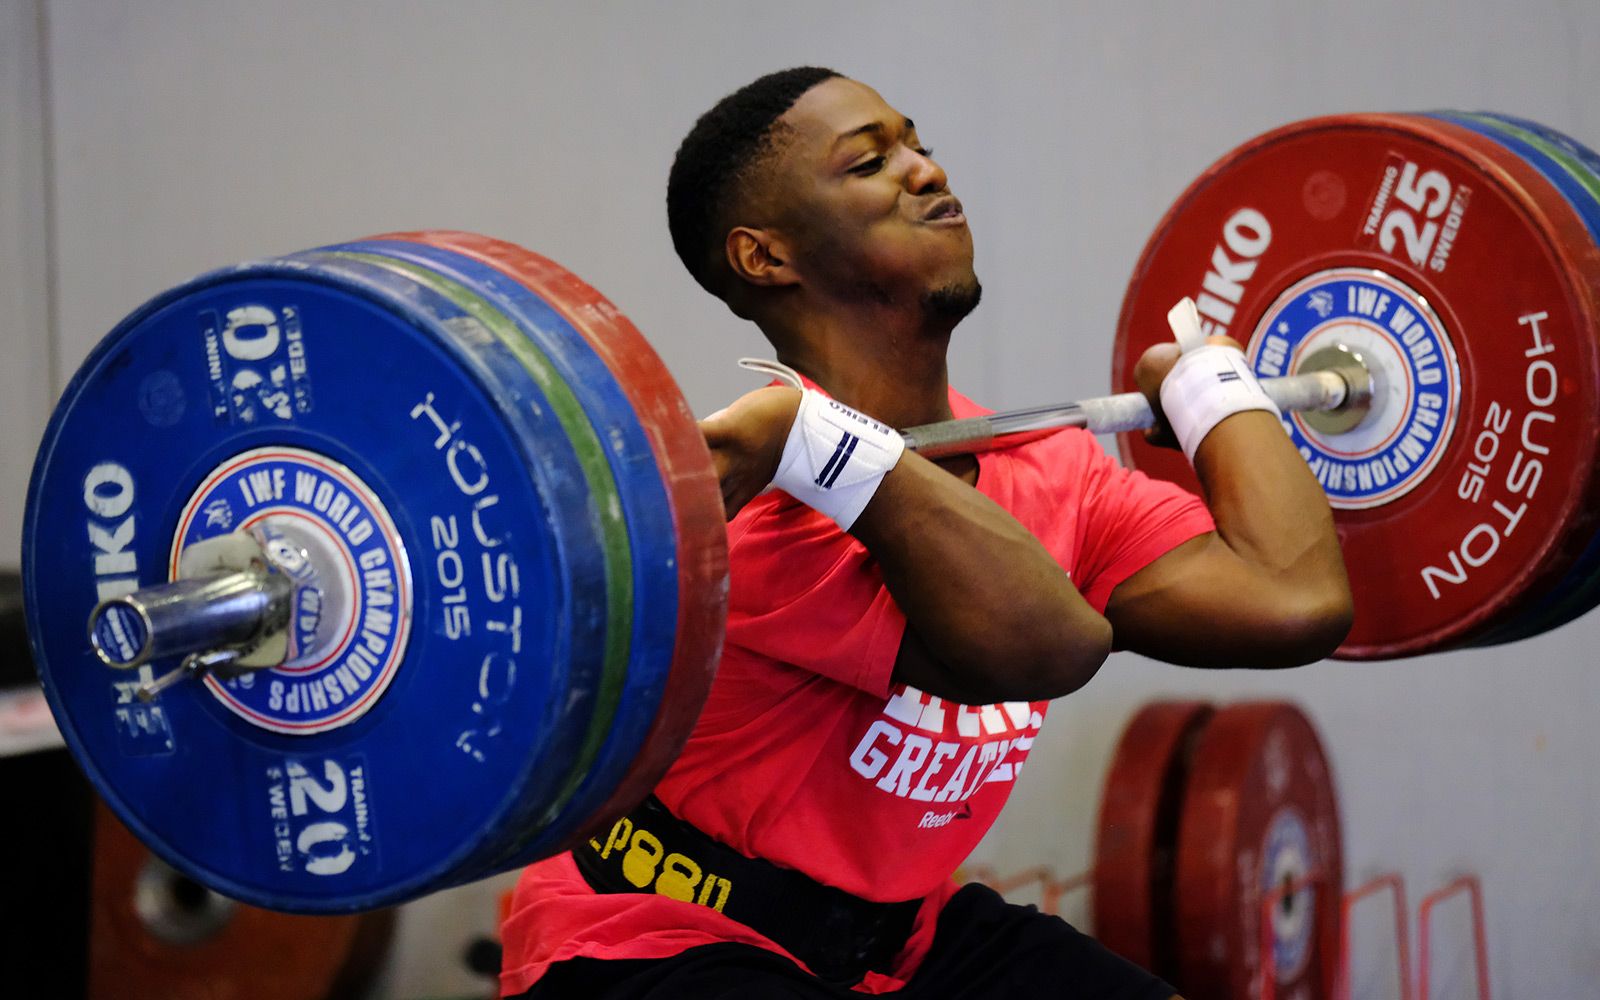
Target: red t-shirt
808 754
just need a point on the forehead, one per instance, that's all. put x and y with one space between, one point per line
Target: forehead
834 107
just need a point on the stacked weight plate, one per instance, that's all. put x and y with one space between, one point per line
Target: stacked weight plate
521 569
1205 814
154 933
1139 813
1463 267
1574 170
544 296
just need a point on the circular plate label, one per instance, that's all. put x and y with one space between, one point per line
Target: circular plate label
1284 860
352 611
1416 382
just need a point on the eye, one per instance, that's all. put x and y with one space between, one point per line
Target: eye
868 167
924 151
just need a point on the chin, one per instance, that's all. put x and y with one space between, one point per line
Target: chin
953 301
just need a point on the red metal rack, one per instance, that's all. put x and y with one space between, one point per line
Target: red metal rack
1392 882
1474 890
1052 888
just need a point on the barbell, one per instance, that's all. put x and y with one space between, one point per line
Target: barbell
404 560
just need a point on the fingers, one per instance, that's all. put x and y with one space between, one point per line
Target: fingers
1158 359
719 428
746 441
1148 373
724 460
1152 368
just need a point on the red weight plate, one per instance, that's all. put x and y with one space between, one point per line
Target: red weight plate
691 482
1259 813
1138 831
1471 286
155 933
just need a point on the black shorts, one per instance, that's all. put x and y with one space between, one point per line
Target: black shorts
983 947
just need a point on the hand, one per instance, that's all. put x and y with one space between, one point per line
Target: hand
1151 370
746 441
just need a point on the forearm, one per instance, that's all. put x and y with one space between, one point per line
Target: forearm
1268 589
1273 515
982 595
1268 506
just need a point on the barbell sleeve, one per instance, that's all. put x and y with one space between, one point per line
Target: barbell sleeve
231 610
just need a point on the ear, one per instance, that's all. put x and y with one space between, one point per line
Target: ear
760 257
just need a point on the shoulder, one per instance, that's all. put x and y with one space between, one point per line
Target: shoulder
780 546
775 515
1067 459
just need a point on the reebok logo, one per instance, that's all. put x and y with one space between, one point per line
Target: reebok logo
933 820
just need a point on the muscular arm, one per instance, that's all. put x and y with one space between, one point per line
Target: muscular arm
1268 588
990 614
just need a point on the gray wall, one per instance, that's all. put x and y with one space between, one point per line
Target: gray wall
187 135
26 344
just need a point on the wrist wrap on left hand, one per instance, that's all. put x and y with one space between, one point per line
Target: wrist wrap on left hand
835 457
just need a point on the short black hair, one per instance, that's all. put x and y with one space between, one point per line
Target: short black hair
716 157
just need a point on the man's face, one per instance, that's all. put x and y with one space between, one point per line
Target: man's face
864 209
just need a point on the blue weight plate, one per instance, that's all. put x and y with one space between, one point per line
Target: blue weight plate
1575 171
1563 162
1578 158
647 511
370 421
687 471
605 622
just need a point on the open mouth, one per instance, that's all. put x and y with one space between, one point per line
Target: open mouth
945 210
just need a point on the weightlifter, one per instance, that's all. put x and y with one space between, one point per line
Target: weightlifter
897 627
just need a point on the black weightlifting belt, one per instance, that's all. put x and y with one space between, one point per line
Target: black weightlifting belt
838 935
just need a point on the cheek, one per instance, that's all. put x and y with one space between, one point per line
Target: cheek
834 236
853 213
862 231
857 248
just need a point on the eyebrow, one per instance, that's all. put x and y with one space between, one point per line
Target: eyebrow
871 128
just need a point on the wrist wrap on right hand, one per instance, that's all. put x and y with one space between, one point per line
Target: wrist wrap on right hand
1208 384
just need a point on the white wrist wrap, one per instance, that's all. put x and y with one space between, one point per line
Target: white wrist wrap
1207 384
835 457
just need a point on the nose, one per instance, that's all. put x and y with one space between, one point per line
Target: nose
925 176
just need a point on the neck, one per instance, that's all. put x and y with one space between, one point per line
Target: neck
882 364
